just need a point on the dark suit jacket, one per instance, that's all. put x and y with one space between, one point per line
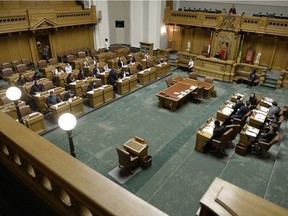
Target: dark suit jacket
238 104
112 77
267 137
218 132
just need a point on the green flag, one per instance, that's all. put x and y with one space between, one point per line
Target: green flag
240 50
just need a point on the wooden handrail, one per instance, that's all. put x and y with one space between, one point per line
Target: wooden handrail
66 184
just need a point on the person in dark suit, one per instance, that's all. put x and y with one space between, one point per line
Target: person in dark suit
253 100
21 80
243 110
81 75
131 60
239 103
120 63
252 78
218 55
36 87
52 99
268 136
91 86
112 78
68 95
218 130
232 9
36 76
96 72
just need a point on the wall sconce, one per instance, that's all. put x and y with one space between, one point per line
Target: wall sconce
163 30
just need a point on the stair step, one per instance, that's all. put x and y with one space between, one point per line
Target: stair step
270 81
269 85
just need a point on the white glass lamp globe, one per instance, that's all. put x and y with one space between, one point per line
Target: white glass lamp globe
67 121
13 93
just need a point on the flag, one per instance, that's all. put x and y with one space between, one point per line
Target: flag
209 45
240 50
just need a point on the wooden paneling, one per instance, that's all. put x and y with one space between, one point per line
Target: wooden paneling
280 60
14 48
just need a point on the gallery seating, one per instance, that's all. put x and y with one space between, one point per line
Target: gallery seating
126 160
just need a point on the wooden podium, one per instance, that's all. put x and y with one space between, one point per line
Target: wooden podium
122 86
59 109
108 93
76 106
35 121
95 97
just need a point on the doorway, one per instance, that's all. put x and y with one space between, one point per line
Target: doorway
43 46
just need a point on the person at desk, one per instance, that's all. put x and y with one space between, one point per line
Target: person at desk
69 80
190 65
268 136
91 86
218 55
36 88
112 78
106 68
81 75
21 80
96 71
123 74
218 131
68 95
273 109
147 55
36 76
239 103
252 78
160 61
253 100
120 63
52 99
68 68
131 60
232 9
243 110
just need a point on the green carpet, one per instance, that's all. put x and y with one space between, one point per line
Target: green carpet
179 176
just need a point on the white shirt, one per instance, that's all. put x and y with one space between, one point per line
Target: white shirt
191 64
68 68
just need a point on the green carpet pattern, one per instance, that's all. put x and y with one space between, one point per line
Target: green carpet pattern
179 175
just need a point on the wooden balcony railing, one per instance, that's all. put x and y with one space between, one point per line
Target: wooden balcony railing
67 185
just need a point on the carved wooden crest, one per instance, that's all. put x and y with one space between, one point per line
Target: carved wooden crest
228 24
44 24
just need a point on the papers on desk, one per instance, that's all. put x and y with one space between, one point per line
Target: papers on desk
260 112
208 129
241 95
260 117
227 110
176 93
264 109
252 132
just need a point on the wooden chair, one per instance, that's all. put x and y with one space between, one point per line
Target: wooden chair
197 95
192 75
53 61
236 128
25 110
209 80
5 100
219 146
169 82
84 88
7 72
48 85
6 65
126 160
42 63
81 54
261 148
20 68
15 63
242 121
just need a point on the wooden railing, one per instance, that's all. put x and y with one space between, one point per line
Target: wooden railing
261 25
31 19
67 185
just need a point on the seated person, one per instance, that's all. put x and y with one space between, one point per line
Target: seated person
96 71
21 80
241 112
218 55
232 9
268 136
253 100
58 70
106 68
68 95
190 65
273 109
123 74
36 88
81 75
68 68
160 61
218 130
120 63
52 99
36 76
86 63
147 55
131 60
91 86
239 103
112 78
69 80
252 78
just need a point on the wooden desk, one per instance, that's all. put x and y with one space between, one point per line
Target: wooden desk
136 148
147 75
108 92
174 96
76 106
59 109
95 97
248 134
122 86
204 134
266 102
163 69
103 76
12 108
132 82
113 63
208 87
76 87
225 199
258 117
35 121
224 112
60 79
47 71
40 98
